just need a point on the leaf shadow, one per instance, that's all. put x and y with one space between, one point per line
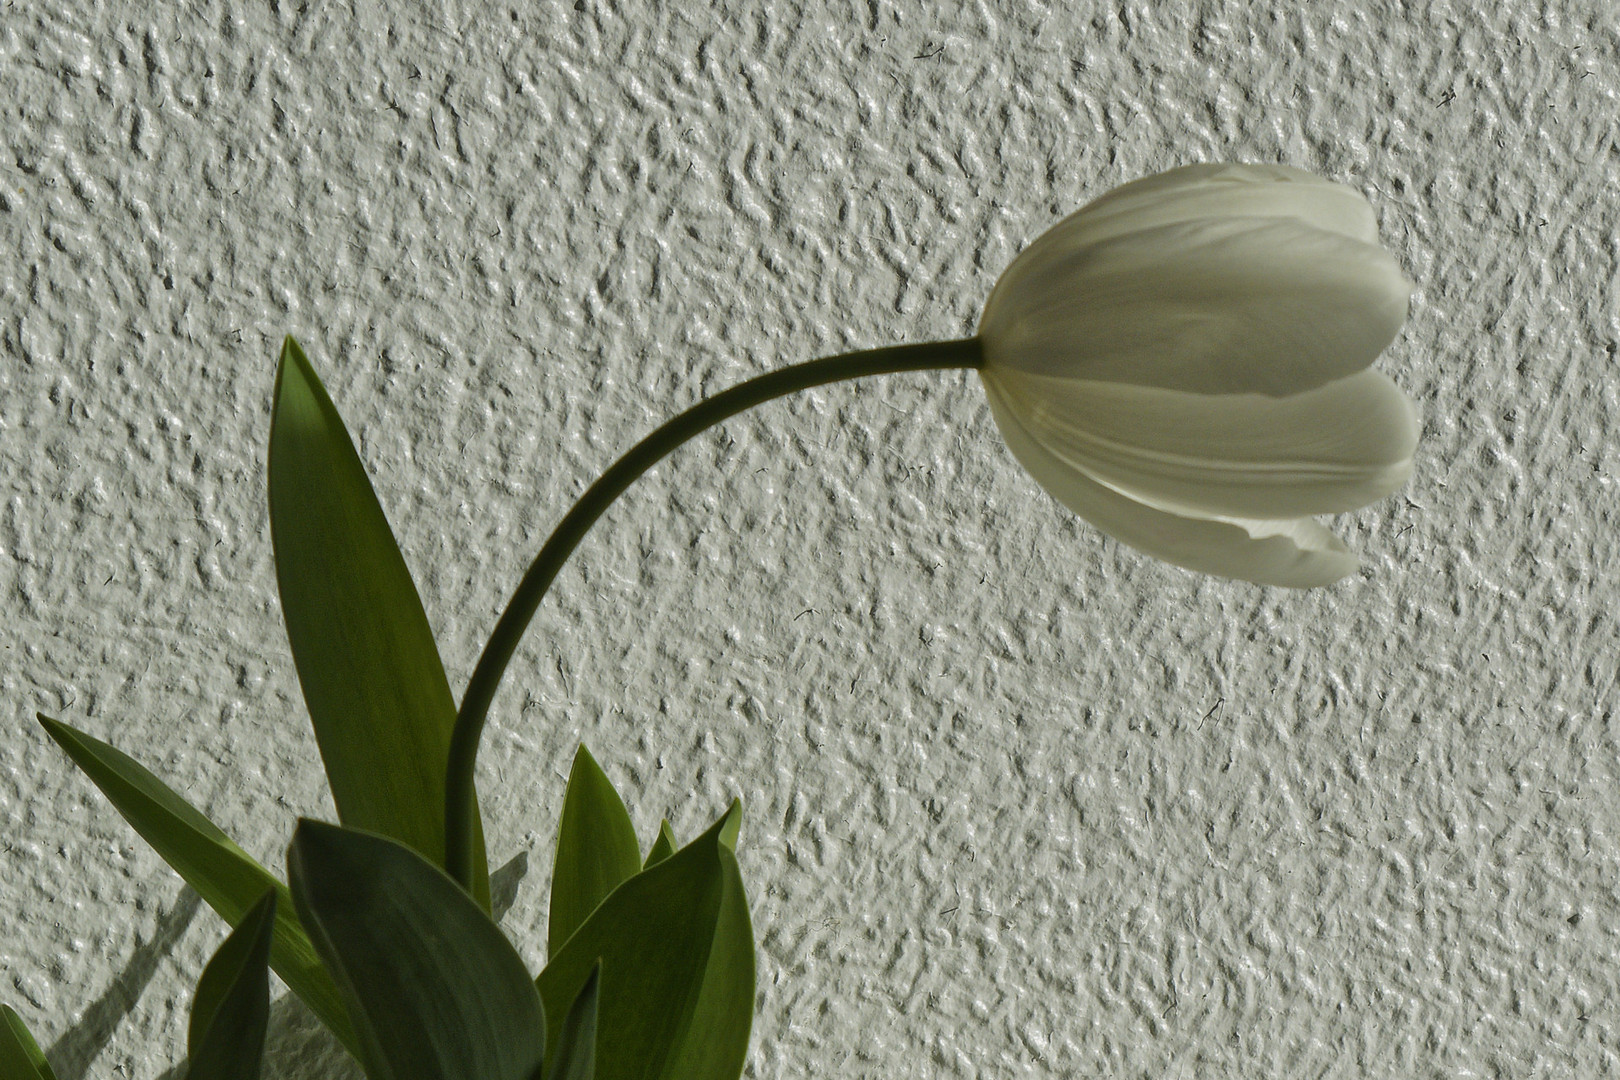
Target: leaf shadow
503 885
298 1045
72 1054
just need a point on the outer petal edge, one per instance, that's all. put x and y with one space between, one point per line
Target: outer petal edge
1295 554
1337 448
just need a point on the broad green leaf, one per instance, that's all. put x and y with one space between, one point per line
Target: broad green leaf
372 678
663 845
596 849
677 955
232 1006
574 1057
223 874
435 990
20 1056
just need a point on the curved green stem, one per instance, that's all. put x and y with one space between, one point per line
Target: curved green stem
486 677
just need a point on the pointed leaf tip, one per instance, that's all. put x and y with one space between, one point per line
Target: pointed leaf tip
231 1009
372 678
663 845
676 947
575 1052
733 824
597 849
292 359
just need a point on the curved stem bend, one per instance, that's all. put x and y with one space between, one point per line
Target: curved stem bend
486 677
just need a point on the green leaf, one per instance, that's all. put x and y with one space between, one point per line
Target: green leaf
663 845
223 874
574 1057
232 1006
435 990
677 954
597 849
372 678
20 1056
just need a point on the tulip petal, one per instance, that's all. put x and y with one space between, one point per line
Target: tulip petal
1332 449
1298 554
1224 190
1213 306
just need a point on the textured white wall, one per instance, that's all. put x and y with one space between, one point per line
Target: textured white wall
1020 801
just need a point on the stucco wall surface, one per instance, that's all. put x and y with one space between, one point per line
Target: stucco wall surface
1020 801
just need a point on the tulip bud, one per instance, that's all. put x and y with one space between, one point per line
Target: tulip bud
1184 363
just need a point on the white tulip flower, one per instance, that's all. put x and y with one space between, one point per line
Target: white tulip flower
1184 364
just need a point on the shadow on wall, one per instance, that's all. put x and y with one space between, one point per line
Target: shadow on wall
298 1044
72 1054
295 1040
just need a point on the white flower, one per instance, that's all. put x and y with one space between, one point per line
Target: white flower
1184 363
